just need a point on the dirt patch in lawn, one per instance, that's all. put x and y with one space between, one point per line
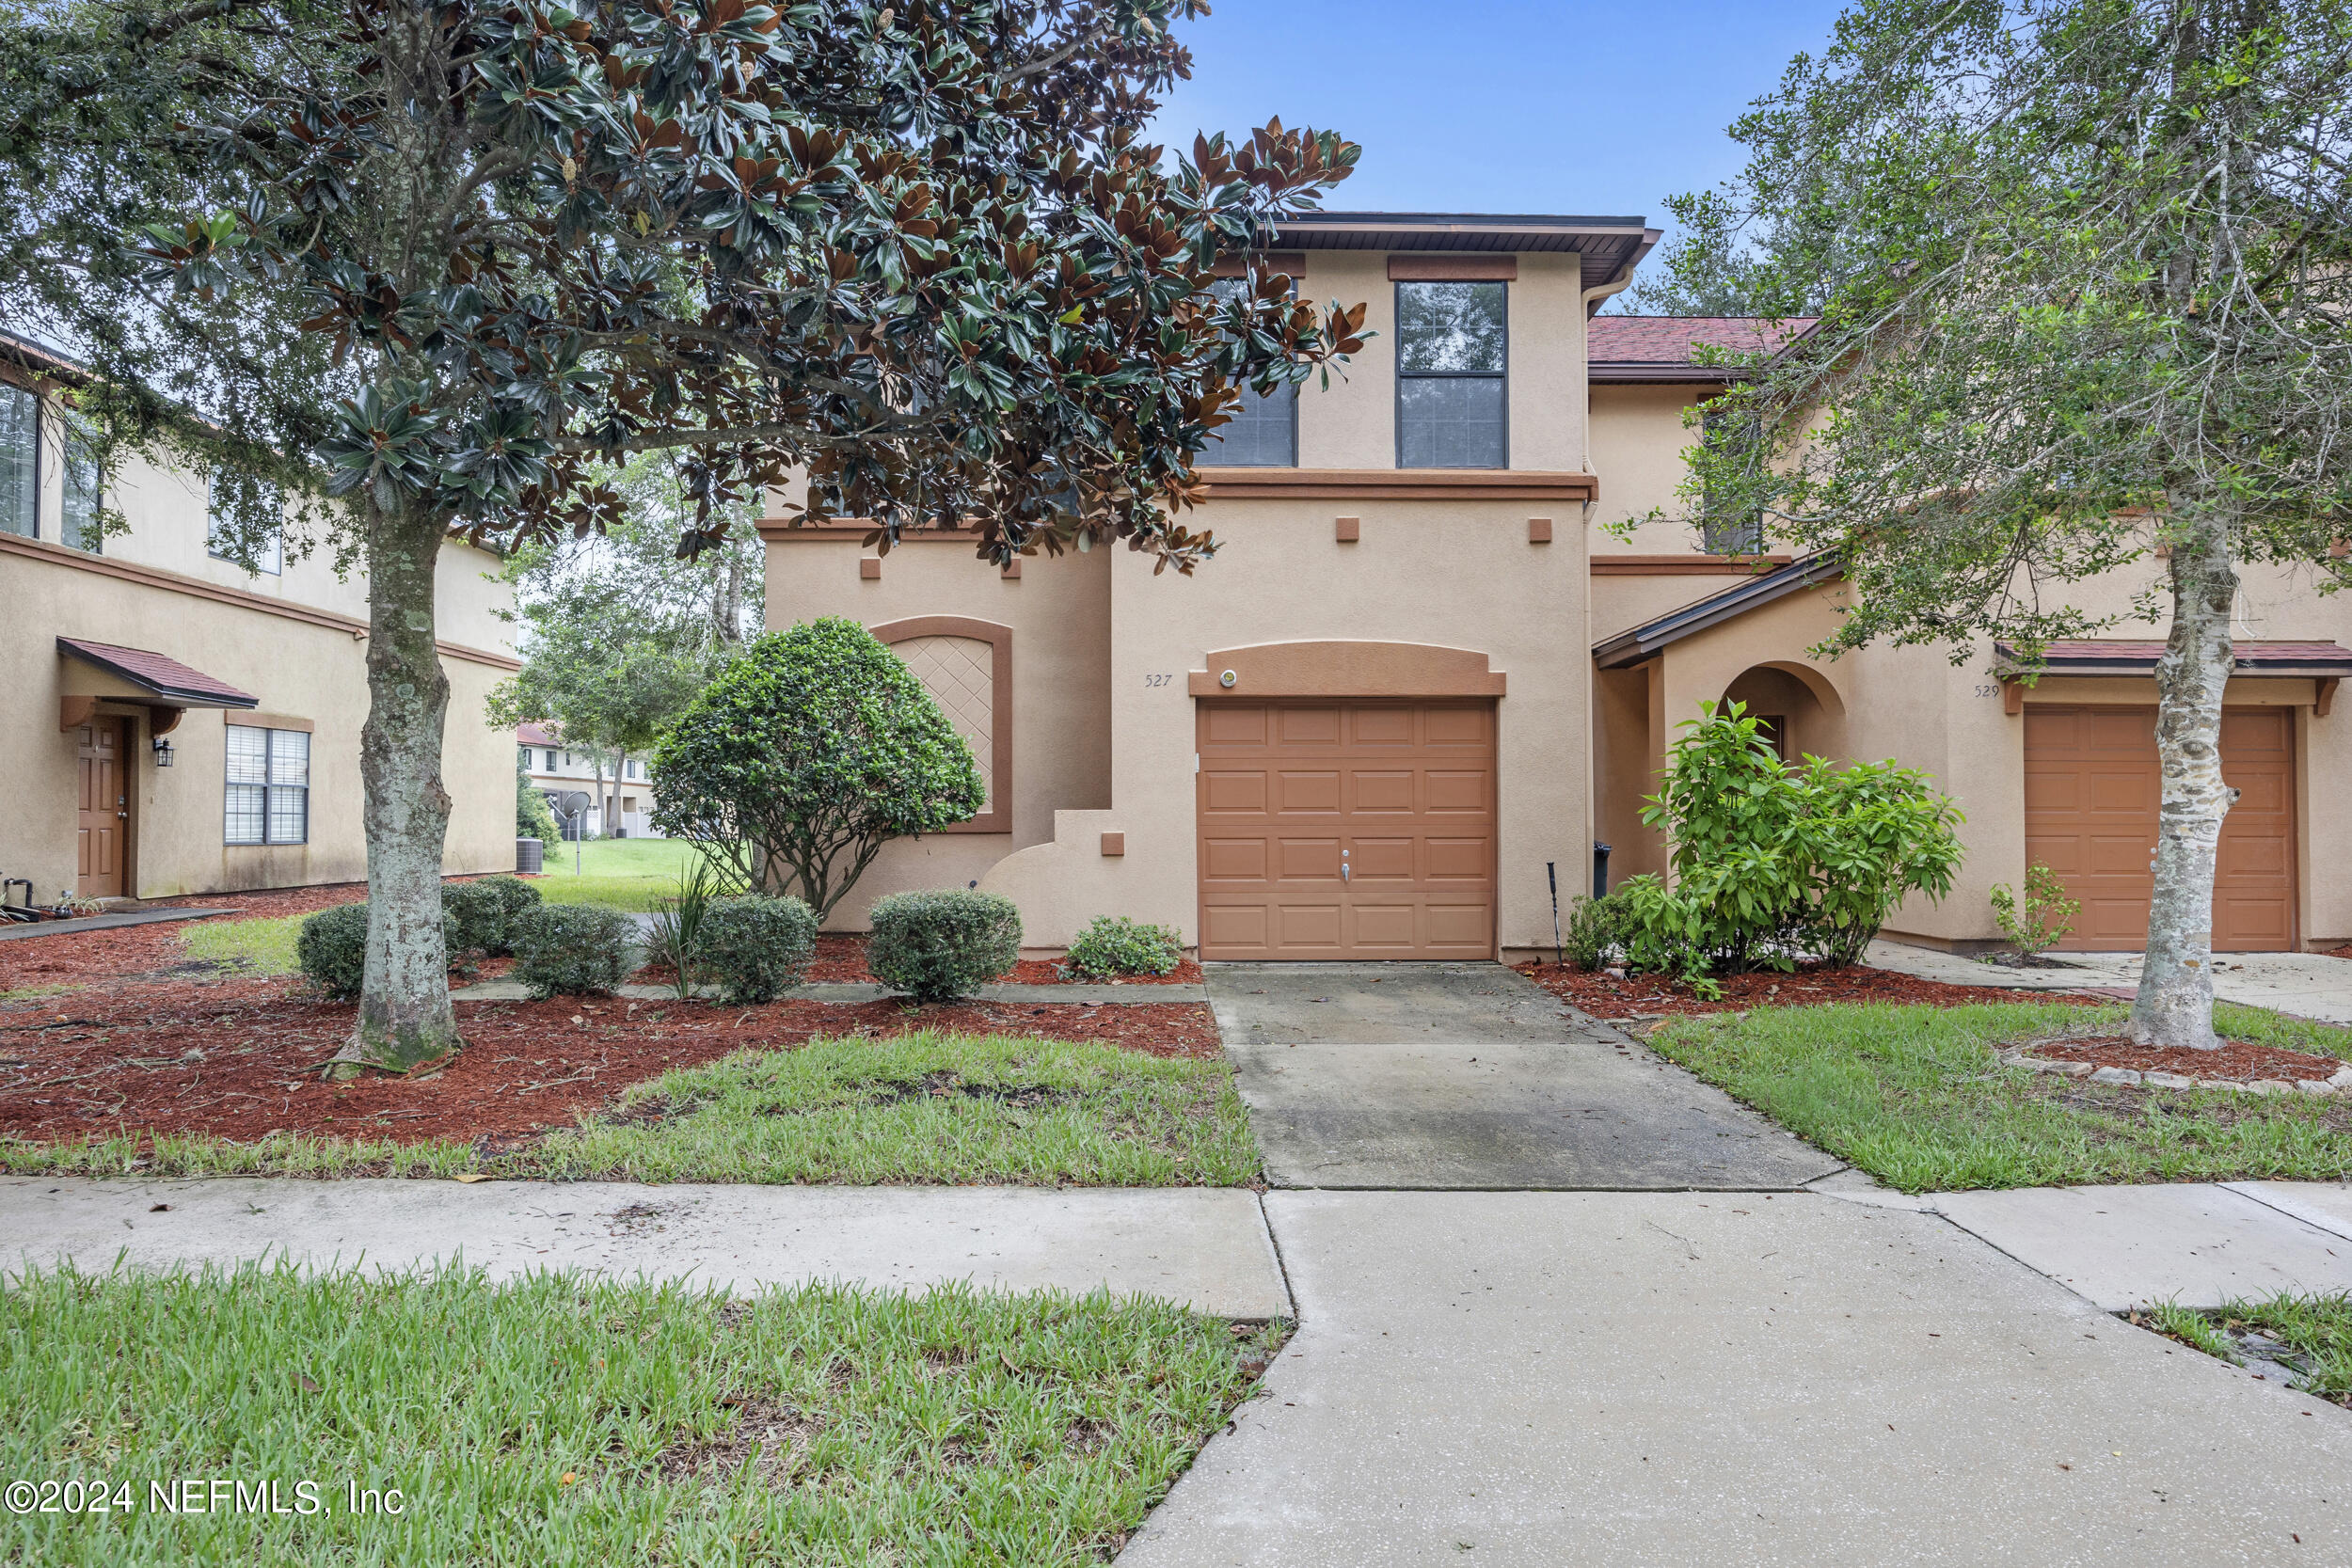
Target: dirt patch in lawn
2237 1062
1604 995
239 1059
841 959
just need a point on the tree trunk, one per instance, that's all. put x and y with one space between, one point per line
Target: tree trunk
726 602
2175 1003
405 1014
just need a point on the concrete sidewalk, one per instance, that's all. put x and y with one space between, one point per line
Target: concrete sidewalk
2307 984
2199 1244
1629 1380
867 991
1207 1247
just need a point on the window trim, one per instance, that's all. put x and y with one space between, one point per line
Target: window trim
998 817
1397 305
269 786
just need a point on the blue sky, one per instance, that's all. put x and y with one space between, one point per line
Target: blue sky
1499 106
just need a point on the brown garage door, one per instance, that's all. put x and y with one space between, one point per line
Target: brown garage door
1346 829
2093 786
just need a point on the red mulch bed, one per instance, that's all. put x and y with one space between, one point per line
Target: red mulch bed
2237 1061
239 1059
152 951
1639 995
841 959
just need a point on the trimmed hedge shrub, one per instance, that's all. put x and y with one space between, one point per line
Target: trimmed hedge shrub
1595 930
753 946
485 912
1113 945
333 948
574 950
938 947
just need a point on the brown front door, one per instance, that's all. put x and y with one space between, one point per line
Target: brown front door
105 811
2093 789
1346 829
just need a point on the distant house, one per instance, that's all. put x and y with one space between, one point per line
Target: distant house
617 806
175 723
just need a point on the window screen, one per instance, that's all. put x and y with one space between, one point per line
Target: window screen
1451 400
268 798
1261 431
20 461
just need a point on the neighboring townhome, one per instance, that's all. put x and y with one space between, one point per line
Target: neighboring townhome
1363 730
174 723
618 799
2062 770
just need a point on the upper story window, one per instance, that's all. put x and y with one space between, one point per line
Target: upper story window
1261 431
84 489
1723 529
550 767
1453 401
220 539
20 461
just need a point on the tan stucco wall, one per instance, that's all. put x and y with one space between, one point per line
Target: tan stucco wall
296 670
1638 441
1457 575
1060 612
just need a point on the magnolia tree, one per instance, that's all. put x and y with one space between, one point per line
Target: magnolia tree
2084 276
445 266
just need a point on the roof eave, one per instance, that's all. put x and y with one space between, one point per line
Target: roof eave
1642 643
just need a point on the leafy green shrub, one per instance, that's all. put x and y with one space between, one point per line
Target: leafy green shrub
1113 945
484 912
1595 930
333 948
2048 918
534 817
937 947
677 924
1773 862
810 750
755 947
574 949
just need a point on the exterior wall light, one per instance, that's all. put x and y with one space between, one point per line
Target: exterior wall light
1228 678
163 751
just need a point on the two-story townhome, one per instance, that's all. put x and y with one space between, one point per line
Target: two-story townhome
175 723
2062 769
1363 730
617 793
1422 677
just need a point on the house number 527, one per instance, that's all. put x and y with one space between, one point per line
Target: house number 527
1157 680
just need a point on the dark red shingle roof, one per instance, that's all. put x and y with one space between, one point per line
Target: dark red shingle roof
161 674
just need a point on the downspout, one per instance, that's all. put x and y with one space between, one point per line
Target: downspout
1591 298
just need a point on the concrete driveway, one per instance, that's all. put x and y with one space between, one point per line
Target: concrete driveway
1470 1076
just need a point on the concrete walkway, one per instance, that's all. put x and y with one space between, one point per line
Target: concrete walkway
1066 996
2307 984
1632 1379
12 931
1204 1246
1401 1076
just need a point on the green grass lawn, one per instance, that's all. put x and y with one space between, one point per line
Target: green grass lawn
2316 1332
919 1108
1914 1096
619 873
564 1420
248 947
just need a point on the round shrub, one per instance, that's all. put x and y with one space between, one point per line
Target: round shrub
937 947
574 950
1113 945
753 947
331 948
485 912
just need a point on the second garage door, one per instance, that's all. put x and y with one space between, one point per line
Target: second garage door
1346 829
2093 786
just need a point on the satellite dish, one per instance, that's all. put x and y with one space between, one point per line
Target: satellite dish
571 803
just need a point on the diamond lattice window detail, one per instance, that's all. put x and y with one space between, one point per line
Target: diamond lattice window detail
959 674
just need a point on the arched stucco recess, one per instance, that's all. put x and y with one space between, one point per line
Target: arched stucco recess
1816 681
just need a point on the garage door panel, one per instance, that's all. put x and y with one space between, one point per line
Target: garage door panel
2094 790
1406 790
1384 791
1383 860
1302 791
1229 860
1310 859
1233 792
